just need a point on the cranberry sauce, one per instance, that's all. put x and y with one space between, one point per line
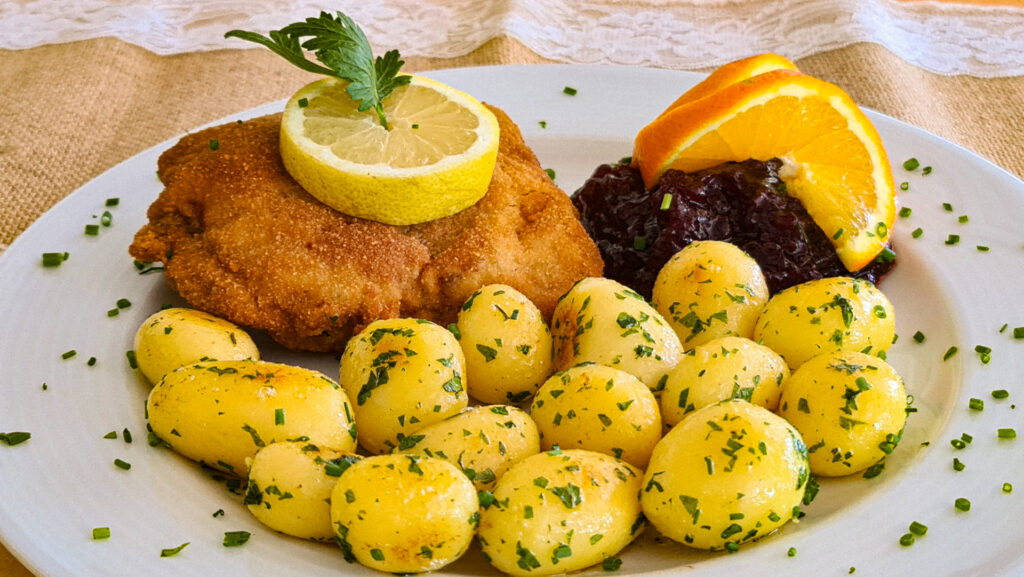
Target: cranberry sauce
745 203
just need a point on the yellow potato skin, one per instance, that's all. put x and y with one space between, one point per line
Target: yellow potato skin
727 474
561 511
725 368
601 409
404 513
483 441
290 488
826 315
601 321
221 412
850 409
708 290
507 345
175 337
402 374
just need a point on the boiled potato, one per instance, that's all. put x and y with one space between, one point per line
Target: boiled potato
403 375
290 486
507 345
221 412
600 409
175 337
482 441
560 511
850 409
604 322
725 368
826 315
727 474
404 513
708 290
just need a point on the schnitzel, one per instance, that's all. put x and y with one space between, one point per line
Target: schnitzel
241 240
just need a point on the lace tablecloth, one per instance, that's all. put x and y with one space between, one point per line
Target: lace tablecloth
944 37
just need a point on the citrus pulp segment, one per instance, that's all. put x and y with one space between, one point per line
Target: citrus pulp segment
835 163
435 158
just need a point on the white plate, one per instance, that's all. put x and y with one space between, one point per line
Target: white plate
55 488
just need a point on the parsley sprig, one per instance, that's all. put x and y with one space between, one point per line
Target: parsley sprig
342 49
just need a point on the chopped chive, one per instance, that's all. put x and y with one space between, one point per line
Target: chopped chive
905 212
952 239
640 243
278 417
919 337
112 202
966 438
958 444
918 529
218 513
907 539
1007 433
214 144
917 233
838 234
958 465
122 464
174 551
950 353
110 435
126 435
69 354
911 164
91 362
666 201
236 538
1018 332
926 170
1000 394
1007 488
962 504
132 361
982 248
962 219
542 123
106 218
14 438
303 102
976 404
92 229
947 207
113 312
791 552
611 564
52 259
123 303
569 90
904 186
100 533
550 172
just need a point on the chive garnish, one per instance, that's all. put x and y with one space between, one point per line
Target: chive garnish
975 404
174 551
112 201
952 239
917 233
550 172
1007 488
132 361
958 465
113 312
907 539
542 123
92 229
123 303
100 533
904 186
14 438
962 219
926 170
278 417
236 538
569 90
666 201
791 552
110 435
52 259
911 164
214 144
905 212
69 354
918 529
919 337
122 464
982 248
1007 433
303 102
106 218
962 504
950 353
947 207
1018 332
1000 394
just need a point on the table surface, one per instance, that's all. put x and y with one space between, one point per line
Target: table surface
73 110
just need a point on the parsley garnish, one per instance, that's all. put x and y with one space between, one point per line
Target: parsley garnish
340 45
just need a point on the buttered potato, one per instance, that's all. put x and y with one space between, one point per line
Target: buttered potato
290 486
404 513
727 474
483 441
725 368
708 290
175 337
601 321
560 511
221 412
507 345
850 409
601 409
403 375
826 315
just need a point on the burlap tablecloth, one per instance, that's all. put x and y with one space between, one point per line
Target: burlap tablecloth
71 111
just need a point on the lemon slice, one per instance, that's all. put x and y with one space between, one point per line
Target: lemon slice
435 158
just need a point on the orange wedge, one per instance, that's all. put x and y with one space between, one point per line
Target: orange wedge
834 160
734 72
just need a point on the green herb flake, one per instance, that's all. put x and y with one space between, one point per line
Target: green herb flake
1000 394
569 90
611 564
214 144
174 551
303 102
904 186
905 212
100 533
918 529
1007 433
14 438
950 353
122 464
235 538
92 229
962 504
52 259
907 539
917 232
952 239
1007 488
911 164
112 202
791 552
975 404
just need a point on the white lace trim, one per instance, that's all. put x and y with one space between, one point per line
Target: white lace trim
944 37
